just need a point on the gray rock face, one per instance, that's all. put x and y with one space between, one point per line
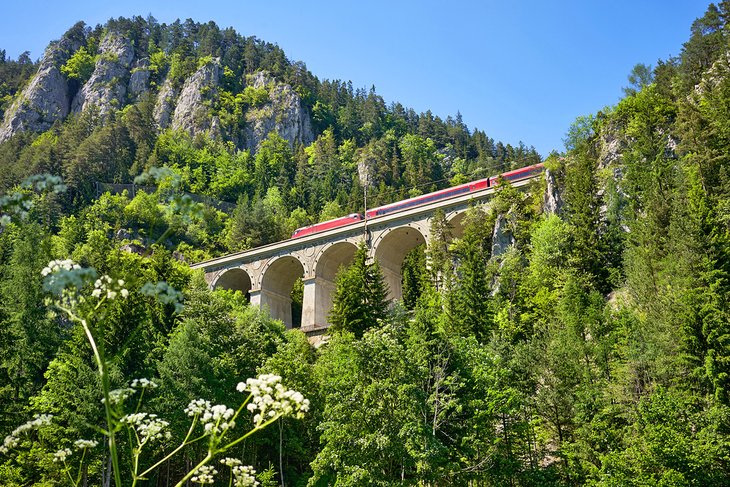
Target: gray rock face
46 98
502 238
366 164
553 200
139 79
107 87
283 114
165 105
611 144
448 157
714 76
192 113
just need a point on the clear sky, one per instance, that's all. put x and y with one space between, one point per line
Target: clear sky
518 70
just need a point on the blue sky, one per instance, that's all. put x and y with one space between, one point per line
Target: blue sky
518 70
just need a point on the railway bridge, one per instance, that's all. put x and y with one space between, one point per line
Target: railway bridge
268 273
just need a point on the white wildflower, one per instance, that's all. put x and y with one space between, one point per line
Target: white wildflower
153 429
148 426
134 419
12 440
58 265
118 396
109 288
197 407
144 384
81 444
60 455
204 475
230 462
244 476
271 399
217 419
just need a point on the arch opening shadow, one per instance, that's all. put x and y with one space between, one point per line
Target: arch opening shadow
390 253
276 288
456 224
318 306
235 280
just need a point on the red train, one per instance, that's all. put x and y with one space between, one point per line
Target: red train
516 175
320 227
478 185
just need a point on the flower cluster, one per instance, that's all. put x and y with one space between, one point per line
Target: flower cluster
144 384
164 293
12 440
231 462
117 396
271 399
107 287
82 444
65 277
149 427
197 407
215 419
18 203
60 455
244 476
204 475
59 265
44 182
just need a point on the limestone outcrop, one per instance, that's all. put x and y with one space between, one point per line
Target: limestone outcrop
46 98
284 114
553 199
139 79
502 238
107 87
192 112
165 105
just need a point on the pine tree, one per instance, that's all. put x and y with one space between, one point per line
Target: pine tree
415 278
469 303
360 299
439 257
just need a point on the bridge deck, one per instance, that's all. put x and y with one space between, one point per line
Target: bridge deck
373 223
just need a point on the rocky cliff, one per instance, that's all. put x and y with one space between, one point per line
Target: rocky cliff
107 87
553 198
122 75
192 112
46 98
284 114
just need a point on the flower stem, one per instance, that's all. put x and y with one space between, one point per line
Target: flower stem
101 365
173 452
204 461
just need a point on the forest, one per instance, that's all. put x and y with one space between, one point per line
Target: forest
594 349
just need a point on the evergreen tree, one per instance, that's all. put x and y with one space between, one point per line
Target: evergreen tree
439 256
415 279
360 299
468 299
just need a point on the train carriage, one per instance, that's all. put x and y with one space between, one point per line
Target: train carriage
474 186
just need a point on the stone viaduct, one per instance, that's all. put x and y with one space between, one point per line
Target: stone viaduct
268 273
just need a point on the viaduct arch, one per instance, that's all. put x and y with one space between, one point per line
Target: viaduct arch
390 250
268 273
